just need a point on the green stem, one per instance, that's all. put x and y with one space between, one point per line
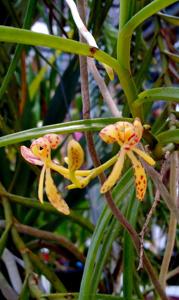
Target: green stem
47 207
126 11
50 275
123 51
123 48
46 235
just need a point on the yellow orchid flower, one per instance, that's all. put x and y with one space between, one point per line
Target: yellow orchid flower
127 135
39 153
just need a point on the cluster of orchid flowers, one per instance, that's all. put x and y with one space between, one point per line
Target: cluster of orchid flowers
126 134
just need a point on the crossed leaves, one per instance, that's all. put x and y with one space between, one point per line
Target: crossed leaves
127 135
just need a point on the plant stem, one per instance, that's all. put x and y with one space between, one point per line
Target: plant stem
103 88
174 166
126 11
123 48
156 178
46 235
47 207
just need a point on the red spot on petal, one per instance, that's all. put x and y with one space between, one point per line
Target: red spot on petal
131 136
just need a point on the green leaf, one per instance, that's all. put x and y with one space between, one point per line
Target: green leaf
169 136
74 296
172 56
170 19
27 22
62 128
164 93
27 37
35 84
24 294
128 250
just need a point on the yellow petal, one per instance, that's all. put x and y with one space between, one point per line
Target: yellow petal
41 184
115 174
75 155
109 134
140 176
54 196
138 128
145 156
125 131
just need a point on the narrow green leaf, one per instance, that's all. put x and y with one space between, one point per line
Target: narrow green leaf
27 37
34 85
172 56
126 11
24 294
128 251
164 93
74 296
62 128
169 136
170 19
125 35
158 124
27 22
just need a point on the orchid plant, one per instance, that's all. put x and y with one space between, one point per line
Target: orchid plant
141 63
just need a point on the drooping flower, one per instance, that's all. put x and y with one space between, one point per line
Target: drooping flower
127 135
39 154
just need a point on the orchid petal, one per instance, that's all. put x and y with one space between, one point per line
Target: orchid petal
54 196
41 184
140 176
115 174
138 128
41 149
145 156
125 131
75 155
28 155
108 134
54 140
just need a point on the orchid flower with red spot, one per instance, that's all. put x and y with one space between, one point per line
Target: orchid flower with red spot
39 154
127 135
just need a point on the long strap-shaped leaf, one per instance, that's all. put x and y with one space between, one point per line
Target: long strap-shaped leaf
164 93
12 66
27 37
62 128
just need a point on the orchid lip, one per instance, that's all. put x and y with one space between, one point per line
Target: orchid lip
30 157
